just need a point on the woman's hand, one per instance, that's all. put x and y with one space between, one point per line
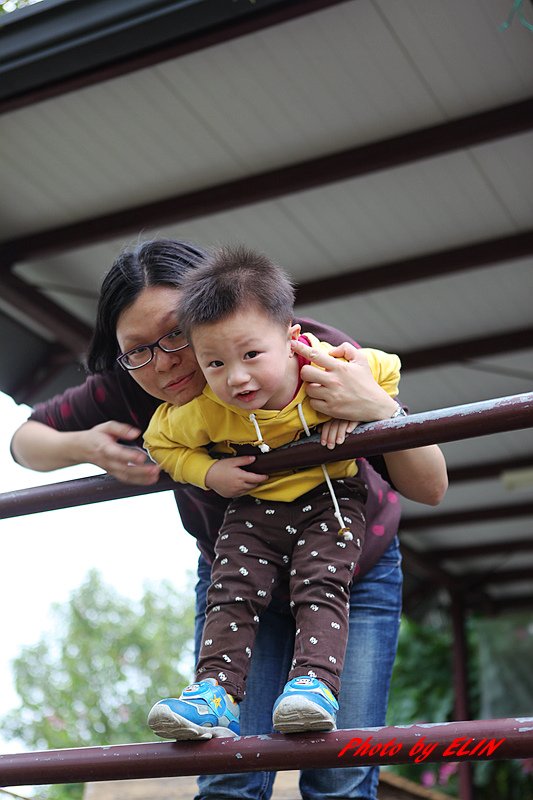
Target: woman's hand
101 446
343 389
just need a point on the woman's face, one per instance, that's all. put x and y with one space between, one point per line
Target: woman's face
174 377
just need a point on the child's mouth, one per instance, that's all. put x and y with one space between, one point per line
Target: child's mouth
247 396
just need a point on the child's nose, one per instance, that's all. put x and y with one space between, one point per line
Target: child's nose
238 376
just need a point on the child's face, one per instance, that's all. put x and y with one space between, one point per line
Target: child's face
247 360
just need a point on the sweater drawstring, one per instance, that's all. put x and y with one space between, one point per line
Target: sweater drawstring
261 443
345 532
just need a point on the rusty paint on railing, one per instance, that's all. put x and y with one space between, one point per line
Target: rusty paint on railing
430 427
478 740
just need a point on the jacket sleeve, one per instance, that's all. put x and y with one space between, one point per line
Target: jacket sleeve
324 332
176 438
110 395
385 369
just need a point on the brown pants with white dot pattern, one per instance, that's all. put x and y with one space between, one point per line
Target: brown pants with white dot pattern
260 543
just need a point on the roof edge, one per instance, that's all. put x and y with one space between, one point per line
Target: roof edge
50 43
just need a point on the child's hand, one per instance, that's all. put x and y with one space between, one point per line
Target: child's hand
228 479
334 432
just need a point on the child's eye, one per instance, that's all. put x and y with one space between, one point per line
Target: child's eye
215 364
251 354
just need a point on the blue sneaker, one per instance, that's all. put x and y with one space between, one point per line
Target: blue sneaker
305 705
203 710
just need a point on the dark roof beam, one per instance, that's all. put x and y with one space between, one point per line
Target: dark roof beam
508 547
417 268
466 516
67 329
502 605
355 162
474 579
467 349
488 469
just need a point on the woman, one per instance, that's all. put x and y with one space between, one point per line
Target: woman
91 423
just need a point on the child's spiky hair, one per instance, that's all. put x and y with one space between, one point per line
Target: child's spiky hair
231 279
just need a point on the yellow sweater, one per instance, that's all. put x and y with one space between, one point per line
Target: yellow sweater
177 436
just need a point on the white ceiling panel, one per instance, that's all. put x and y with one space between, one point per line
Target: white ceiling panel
457 385
491 564
463 55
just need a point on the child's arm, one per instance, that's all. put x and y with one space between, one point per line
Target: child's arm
177 437
225 476
183 464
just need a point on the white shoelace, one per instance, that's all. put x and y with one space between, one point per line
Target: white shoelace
262 444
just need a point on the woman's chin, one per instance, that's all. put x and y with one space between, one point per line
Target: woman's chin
183 390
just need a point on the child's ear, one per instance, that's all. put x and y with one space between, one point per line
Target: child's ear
294 331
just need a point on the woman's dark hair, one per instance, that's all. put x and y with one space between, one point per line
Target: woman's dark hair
160 262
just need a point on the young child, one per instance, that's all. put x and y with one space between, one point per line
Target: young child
236 312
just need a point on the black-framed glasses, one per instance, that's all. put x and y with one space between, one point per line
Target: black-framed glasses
141 355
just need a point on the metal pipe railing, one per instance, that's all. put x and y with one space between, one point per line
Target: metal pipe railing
430 427
478 740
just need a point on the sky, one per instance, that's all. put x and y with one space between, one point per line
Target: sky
45 557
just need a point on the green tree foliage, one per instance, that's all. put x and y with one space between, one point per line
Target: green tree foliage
421 684
11 5
422 691
93 679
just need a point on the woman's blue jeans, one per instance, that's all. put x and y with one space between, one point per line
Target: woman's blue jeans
374 622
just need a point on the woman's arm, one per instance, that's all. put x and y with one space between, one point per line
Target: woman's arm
40 447
419 474
92 423
347 390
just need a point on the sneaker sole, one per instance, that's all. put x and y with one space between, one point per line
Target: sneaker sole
169 725
298 714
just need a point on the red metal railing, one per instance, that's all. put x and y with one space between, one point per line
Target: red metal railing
454 741
478 740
